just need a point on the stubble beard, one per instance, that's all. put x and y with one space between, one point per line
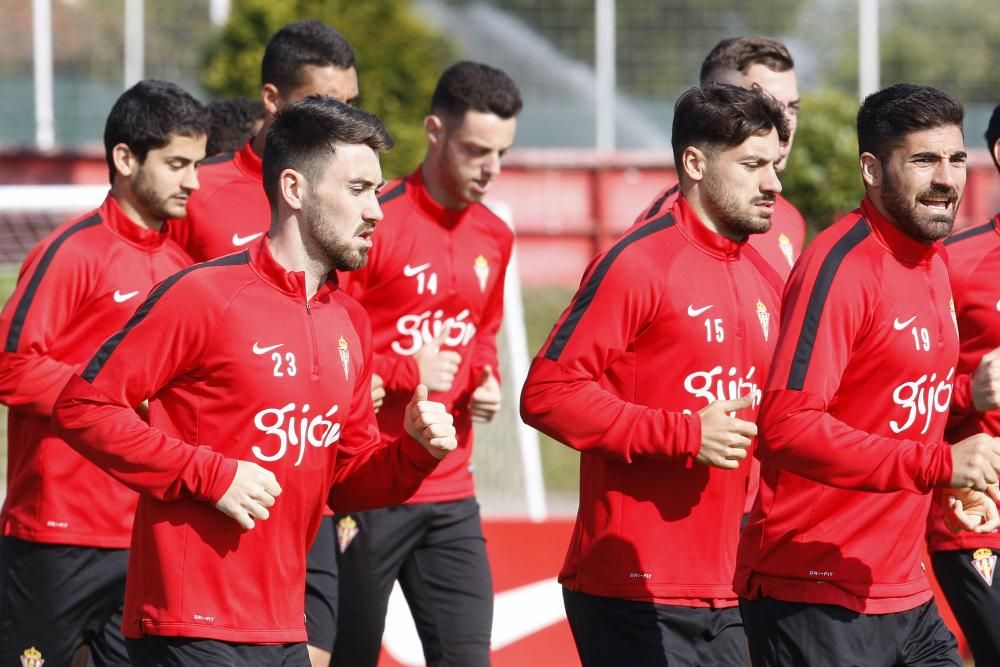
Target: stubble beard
158 206
340 250
738 221
905 212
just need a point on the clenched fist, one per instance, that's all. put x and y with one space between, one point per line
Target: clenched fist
429 423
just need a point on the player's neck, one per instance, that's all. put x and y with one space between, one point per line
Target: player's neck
435 187
292 252
134 210
260 139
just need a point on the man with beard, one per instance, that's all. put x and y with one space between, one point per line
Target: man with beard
964 563
653 374
434 290
853 418
254 426
65 523
231 212
748 61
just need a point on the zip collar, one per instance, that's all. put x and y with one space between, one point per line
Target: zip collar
122 226
292 283
700 235
894 239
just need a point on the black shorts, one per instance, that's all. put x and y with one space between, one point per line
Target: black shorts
967 581
321 587
55 598
154 651
438 554
795 633
612 631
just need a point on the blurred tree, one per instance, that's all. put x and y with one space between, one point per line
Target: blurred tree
823 178
399 60
950 45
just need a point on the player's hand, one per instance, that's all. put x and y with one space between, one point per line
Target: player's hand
725 439
967 509
986 382
485 401
975 462
378 391
253 490
429 423
437 367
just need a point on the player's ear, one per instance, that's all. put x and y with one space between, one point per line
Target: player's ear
434 129
871 170
270 97
693 163
291 188
124 160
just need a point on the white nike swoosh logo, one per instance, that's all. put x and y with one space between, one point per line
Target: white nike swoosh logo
517 613
410 271
122 298
257 349
695 312
899 326
243 240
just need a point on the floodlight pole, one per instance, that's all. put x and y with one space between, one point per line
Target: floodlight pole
135 39
868 57
604 74
41 27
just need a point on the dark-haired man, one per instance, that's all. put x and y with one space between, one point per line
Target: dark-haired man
231 212
748 61
434 291
965 563
65 523
235 120
853 417
655 379
251 419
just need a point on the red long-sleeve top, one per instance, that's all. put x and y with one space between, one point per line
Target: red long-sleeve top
781 245
670 319
78 286
228 353
229 212
852 422
433 270
973 263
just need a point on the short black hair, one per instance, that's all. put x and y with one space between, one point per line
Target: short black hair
738 54
468 86
719 115
888 116
147 115
232 123
305 135
300 44
993 133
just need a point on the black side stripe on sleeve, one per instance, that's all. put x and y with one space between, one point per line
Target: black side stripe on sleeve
586 295
109 346
21 312
658 204
392 194
971 232
817 300
219 157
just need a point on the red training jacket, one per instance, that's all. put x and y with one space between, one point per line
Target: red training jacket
668 320
78 286
228 353
780 246
229 210
433 269
974 263
852 422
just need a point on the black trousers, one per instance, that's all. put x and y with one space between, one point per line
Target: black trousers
321 587
610 631
973 598
154 651
794 633
55 598
438 554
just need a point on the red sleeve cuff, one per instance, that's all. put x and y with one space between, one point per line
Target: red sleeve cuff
417 454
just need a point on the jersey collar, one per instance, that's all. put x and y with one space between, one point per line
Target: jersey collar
700 235
125 228
895 240
247 161
292 283
446 217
